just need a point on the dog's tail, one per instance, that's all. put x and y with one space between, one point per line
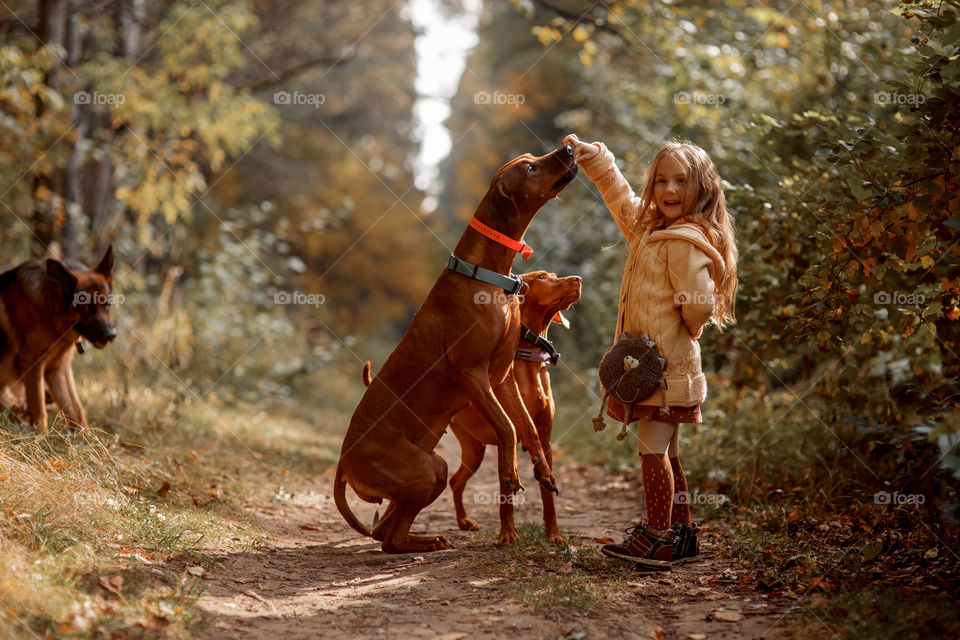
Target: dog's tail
367 377
340 498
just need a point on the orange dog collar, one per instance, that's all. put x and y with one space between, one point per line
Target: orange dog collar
519 246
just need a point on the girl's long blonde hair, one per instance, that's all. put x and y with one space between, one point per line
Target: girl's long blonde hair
709 211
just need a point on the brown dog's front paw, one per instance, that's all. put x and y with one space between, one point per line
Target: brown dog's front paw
507 536
468 524
555 538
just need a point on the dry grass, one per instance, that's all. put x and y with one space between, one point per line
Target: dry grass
95 528
73 510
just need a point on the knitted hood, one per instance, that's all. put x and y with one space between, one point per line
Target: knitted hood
691 233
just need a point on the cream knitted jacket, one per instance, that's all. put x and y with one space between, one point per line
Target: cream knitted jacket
668 283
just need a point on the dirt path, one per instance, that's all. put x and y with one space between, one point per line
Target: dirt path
332 583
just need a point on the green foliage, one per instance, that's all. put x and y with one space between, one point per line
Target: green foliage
879 280
181 117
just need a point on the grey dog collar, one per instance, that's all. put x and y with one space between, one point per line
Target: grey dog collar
510 284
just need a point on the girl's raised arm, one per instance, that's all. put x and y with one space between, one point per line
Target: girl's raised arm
600 166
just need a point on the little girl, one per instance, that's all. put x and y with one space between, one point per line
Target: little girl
681 273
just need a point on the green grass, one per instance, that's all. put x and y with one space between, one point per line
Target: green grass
551 576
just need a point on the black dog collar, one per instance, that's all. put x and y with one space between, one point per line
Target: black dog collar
545 351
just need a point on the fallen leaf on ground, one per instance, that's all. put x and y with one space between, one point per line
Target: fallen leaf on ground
871 550
113 584
658 633
310 527
726 616
604 541
153 622
196 571
162 491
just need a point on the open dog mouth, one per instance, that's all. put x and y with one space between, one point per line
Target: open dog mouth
569 298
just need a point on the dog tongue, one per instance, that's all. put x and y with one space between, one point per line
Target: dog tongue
559 319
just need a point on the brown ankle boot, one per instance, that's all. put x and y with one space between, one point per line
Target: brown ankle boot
686 543
644 546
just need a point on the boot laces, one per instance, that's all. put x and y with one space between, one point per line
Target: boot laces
635 532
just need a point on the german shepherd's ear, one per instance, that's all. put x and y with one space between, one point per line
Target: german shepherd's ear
65 281
105 268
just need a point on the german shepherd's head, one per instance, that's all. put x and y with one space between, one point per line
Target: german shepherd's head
85 297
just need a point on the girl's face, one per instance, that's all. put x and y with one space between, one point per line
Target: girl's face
672 191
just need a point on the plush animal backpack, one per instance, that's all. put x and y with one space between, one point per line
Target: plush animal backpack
631 370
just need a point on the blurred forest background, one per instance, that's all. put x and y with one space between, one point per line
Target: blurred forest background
234 151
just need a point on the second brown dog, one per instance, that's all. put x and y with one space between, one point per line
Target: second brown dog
546 297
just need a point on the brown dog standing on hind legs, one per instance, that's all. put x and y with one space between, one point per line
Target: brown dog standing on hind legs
546 296
457 348
46 307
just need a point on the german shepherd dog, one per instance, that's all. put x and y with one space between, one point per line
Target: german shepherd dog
46 307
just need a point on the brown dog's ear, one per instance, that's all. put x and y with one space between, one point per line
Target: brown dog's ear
64 280
506 195
105 268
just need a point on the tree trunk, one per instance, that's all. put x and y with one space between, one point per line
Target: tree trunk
73 183
48 206
128 19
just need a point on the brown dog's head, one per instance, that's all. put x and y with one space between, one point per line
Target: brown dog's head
522 186
85 296
546 296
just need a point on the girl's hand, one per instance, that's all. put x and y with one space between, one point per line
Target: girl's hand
581 150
